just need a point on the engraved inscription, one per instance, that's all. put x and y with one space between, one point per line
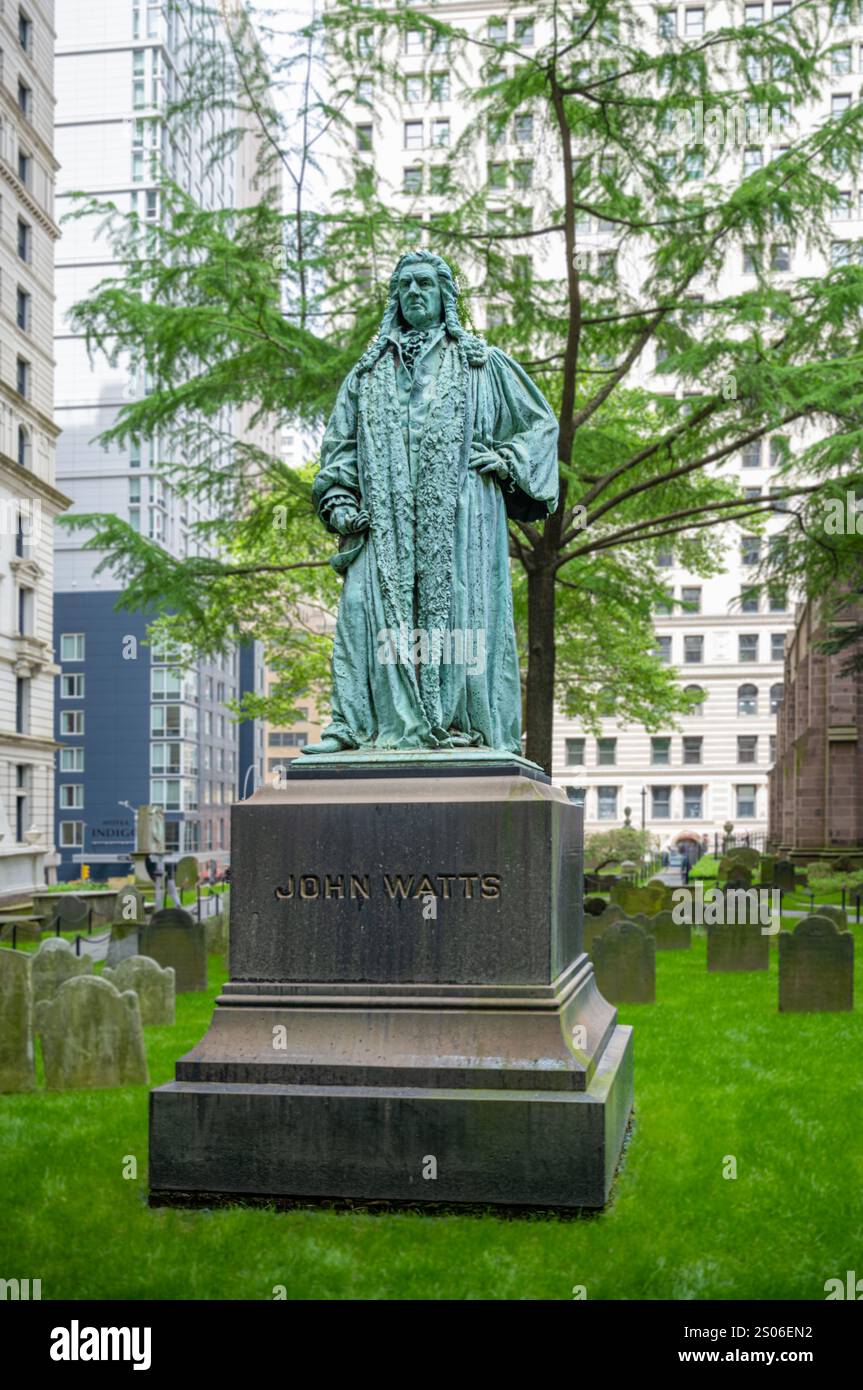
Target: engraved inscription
394 887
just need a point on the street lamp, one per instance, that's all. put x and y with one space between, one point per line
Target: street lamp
643 801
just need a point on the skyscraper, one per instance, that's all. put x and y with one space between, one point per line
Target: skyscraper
135 729
29 499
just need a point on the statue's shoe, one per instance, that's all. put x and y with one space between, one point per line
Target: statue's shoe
326 745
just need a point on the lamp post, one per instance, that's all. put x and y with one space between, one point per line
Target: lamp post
643 802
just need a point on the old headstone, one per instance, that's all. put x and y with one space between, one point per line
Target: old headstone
625 961
668 934
129 906
835 914
784 876
153 985
69 911
123 943
173 937
594 926
216 928
745 855
650 899
20 932
766 869
91 1036
594 906
54 963
816 968
187 873
17 1070
737 946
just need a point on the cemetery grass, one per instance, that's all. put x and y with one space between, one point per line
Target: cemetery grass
720 1074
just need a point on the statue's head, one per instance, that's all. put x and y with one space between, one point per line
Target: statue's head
422 292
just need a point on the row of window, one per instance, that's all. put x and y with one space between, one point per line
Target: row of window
748 648
691 750
288 738
188 840
689 804
750 602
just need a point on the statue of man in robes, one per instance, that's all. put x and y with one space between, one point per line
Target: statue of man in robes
436 438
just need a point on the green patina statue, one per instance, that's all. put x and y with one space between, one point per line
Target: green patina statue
435 439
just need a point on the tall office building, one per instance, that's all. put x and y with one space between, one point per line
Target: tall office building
134 728
29 500
722 634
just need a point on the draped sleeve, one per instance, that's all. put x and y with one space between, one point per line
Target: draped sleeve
524 433
337 482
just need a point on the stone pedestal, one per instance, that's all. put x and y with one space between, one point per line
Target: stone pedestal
410 1015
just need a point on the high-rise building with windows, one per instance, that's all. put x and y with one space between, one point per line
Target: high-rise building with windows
724 634
29 499
134 728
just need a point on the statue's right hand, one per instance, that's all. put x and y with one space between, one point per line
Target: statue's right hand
347 520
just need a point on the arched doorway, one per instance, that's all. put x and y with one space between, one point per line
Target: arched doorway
689 847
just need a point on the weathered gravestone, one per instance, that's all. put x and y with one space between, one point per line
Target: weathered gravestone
23 931
767 868
69 912
54 963
650 899
783 876
595 925
668 934
625 961
123 943
129 907
749 858
17 1069
737 946
173 937
216 928
837 915
816 968
91 1036
153 985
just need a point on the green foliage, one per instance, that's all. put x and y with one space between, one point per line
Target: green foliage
262 312
618 845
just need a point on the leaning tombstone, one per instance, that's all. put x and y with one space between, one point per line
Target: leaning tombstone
17 1068
91 1037
737 946
816 968
123 943
624 958
173 937
668 934
54 963
153 984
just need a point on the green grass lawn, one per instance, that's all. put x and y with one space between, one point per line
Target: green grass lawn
718 1072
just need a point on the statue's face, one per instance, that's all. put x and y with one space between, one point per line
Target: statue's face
419 294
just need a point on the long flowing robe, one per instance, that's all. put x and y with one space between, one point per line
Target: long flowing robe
436 556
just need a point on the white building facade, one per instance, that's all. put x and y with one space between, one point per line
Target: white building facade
722 634
29 499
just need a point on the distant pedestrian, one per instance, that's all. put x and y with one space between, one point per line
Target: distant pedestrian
684 870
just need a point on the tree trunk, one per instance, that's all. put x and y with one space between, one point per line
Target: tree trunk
539 701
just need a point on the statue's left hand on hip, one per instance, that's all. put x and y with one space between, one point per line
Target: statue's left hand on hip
488 462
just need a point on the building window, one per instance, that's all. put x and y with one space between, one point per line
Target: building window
574 752
745 801
22 309
71 759
22 376
23 452
698 709
72 646
606 752
664 603
364 94
690 599
778 600
780 256
25 31
24 167
523 127
606 803
25 100
754 14
750 550
777 646
439 133
777 695
439 180
660 751
364 137
693 803
660 803
72 723
524 32
749 600
665 557
692 750
71 834
439 86
747 748
662 650
751 454
753 159
365 40
497 31
414 41
413 135
71 796
747 699
693 649
522 173
694 23
22 705
72 687
747 646
412 180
